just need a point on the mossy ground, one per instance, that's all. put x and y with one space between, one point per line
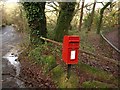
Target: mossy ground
96 84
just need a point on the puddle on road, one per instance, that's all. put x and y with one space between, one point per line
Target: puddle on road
12 57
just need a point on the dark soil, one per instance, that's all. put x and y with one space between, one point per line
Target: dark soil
33 74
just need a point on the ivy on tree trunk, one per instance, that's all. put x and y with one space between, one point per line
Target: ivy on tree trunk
64 19
36 20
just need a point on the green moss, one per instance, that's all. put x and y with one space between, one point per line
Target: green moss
72 82
57 72
60 78
42 54
96 84
64 19
98 73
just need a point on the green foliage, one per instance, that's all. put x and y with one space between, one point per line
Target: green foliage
87 46
96 20
96 84
86 21
110 19
49 63
37 53
42 55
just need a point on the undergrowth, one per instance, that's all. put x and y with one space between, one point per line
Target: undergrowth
45 55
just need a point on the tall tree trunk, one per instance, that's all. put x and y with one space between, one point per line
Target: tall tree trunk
64 19
81 16
92 16
37 20
119 23
101 16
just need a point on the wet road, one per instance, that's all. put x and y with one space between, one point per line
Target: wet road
113 37
10 39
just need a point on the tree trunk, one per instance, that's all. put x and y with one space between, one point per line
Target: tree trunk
101 16
64 19
81 16
92 16
119 24
37 20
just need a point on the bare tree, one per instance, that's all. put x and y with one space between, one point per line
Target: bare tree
92 16
81 15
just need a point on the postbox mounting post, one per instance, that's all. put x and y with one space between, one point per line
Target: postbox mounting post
68 71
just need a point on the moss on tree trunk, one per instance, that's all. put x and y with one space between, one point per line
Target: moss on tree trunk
101 16
64 19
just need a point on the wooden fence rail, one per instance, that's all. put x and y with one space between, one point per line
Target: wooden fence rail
86 52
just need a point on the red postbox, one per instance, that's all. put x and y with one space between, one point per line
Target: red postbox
70 49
